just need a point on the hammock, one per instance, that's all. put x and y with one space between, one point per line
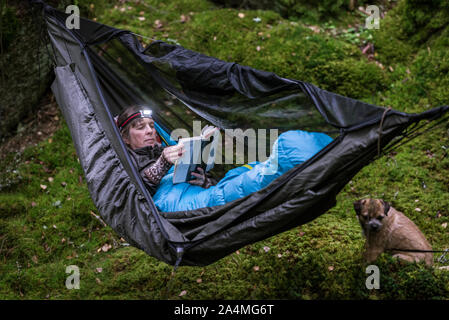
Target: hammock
100 70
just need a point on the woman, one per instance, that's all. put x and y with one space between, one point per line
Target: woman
155 164
136 126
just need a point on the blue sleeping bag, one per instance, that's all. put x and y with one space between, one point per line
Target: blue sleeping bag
290 149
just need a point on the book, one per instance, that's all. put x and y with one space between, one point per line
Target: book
199 151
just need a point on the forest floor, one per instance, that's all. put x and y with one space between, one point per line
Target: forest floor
48 220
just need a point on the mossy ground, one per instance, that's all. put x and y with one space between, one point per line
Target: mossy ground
47 217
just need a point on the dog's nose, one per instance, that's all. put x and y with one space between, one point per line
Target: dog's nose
374 226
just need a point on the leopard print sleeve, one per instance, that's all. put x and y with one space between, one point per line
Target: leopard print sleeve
155 172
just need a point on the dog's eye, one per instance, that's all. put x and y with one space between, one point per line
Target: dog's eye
380 217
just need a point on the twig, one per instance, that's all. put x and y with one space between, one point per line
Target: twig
1 248
98 218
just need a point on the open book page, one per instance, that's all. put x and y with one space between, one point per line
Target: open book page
199 151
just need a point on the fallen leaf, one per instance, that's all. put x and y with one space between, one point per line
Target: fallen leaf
256 268
279 255
141 18
74 255
241 15
380 65
237 252
444 225
98 280
141 13
99 270
64 184
418 209
106 247
258 48
34 258
330 268
199 280
183 293
43 187
315 29
184 18
158 24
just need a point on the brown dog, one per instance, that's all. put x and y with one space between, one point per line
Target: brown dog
385 228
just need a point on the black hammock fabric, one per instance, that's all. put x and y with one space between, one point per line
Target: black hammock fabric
100 70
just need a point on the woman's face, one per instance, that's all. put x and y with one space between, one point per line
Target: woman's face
142 133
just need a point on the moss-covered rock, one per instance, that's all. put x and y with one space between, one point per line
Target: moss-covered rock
390 40
25 74
423 19
287 49
9 25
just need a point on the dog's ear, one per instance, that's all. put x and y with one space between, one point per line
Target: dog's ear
386 207
358 207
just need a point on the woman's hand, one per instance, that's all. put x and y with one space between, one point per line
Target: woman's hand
202 179
173 153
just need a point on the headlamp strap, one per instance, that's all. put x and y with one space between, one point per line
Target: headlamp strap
139 114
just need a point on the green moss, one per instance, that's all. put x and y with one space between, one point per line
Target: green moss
315 12
12 204
9 26
390 40
320 260
421 19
